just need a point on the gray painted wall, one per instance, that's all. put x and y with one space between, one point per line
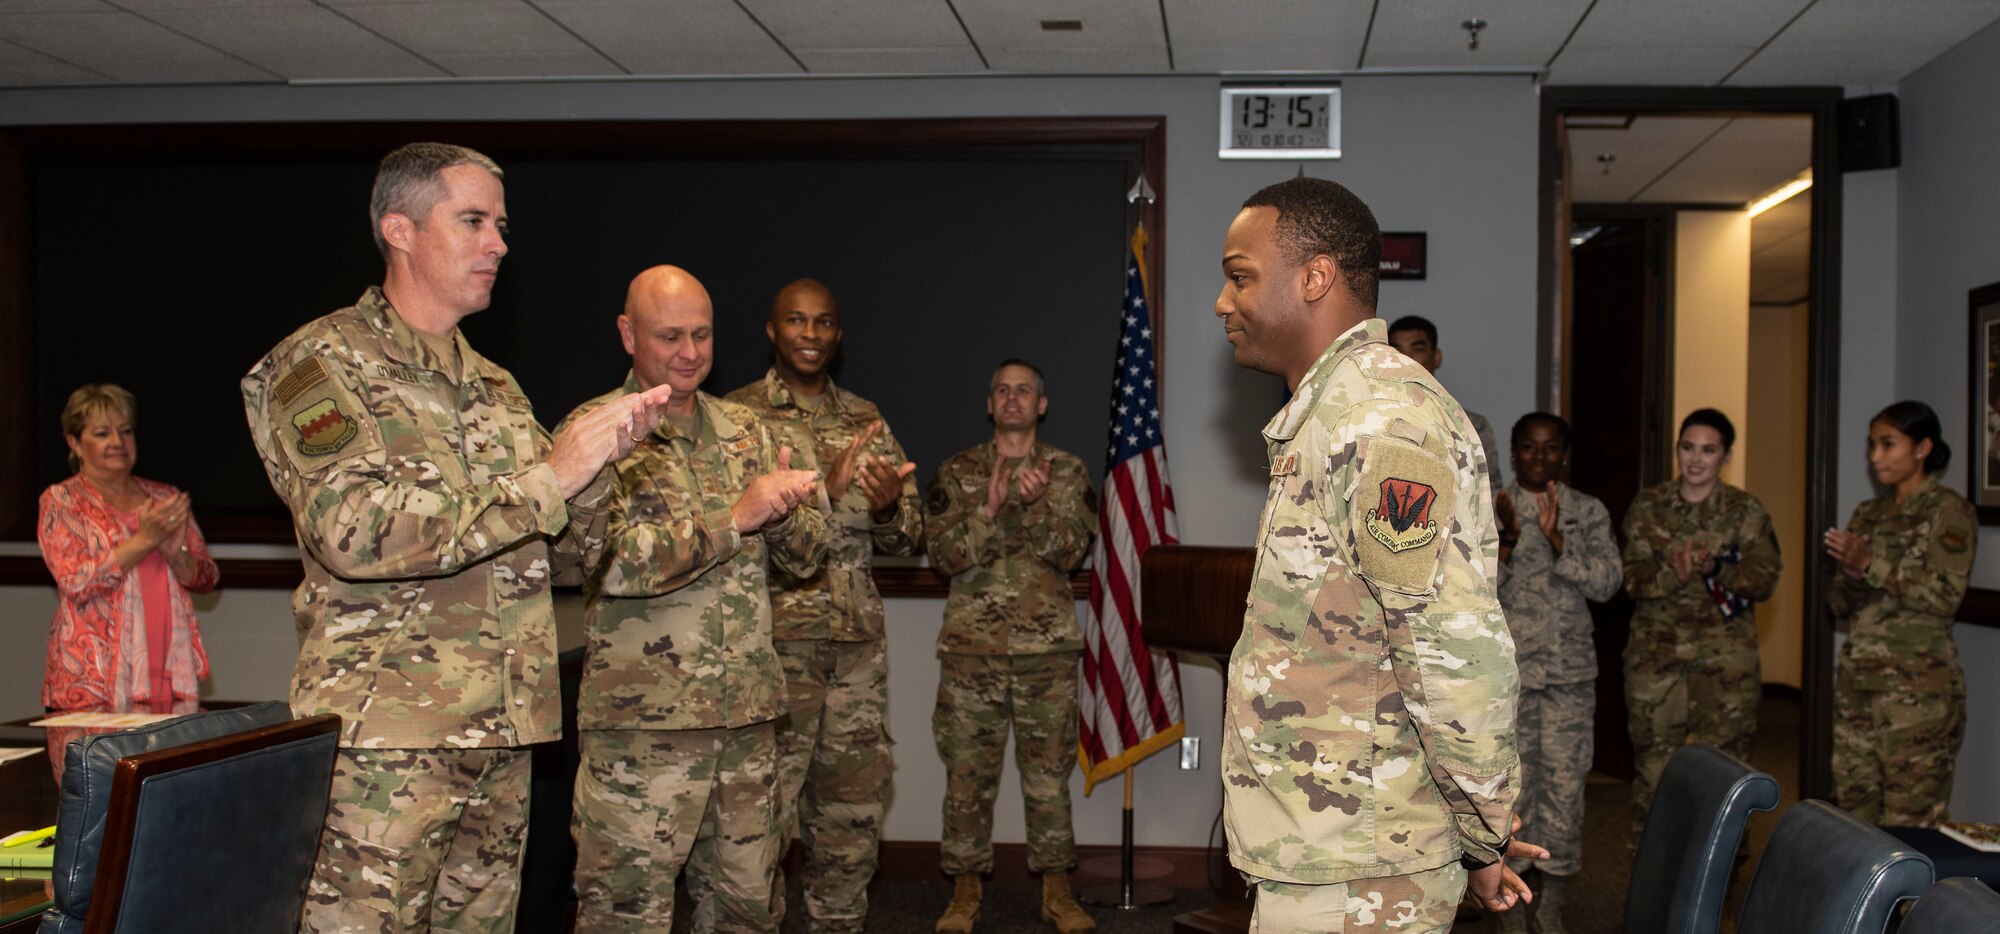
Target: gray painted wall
1948 233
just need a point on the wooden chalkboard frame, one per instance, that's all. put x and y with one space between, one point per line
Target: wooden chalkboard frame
23 149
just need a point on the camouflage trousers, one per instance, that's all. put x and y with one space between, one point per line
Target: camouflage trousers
420 840
650 801
979 698
1553 729
834 765
1672 701
1894 753
1419 903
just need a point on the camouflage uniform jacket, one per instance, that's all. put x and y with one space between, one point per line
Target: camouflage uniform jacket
1492 448
428 523
1370 701
678 623
1679 620
1544 594
1009 575
839 603
1900 612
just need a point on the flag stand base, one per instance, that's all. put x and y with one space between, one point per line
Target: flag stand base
1127 893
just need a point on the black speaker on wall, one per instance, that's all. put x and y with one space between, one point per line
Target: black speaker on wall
1871 137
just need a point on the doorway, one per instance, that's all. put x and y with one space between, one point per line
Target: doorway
1662 294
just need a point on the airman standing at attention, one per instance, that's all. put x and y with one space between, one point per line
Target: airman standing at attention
834 759
432 514
1368 754
680 681
1007 522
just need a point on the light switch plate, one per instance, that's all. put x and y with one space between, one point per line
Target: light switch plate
1190 752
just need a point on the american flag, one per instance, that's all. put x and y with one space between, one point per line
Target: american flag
1131 703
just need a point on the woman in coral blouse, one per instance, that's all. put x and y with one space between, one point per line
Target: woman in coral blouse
125 554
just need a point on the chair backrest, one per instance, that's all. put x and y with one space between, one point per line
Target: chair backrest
1959 905
201 823
1825 872
1685 855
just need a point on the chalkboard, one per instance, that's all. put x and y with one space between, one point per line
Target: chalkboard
171 276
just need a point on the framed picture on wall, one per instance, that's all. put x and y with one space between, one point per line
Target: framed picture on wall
1983 409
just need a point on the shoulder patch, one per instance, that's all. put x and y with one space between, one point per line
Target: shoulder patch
1954 540
1403 504
323 428
939 500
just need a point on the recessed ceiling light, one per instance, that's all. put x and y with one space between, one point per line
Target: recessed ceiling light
1062 25
1597 121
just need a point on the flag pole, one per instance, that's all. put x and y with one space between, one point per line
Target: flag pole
1129 894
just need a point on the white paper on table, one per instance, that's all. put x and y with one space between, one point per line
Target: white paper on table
104 719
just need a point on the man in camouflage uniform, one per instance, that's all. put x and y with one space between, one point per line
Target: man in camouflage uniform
1368 750
1556 552
1417 338
833 745
432 514
1899 693
680 682
1007 522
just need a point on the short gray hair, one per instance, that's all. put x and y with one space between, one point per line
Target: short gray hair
1041 385
407 182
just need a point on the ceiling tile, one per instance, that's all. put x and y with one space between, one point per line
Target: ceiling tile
119 44
861 25
220 68
1835 66
1640 153
1628 65
1751 156
959 60
1432 34
52 6
1078 61
46 71
144 7
464 26
1318 35
299 42
1663 24
1118 36
685 37
581 63
1260 58
1925 24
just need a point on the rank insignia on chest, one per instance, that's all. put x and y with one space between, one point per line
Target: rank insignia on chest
1284 465
1402 519
323 428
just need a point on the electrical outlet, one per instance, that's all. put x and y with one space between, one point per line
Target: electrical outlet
1190 752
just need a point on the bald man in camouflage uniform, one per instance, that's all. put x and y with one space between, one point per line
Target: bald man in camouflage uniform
1899 693
1368 738
680 681
432 514
1007 522
834 760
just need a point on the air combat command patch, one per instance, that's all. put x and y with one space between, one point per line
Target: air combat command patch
1401 519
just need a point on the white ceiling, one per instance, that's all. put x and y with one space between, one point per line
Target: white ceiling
1663 42
1709 161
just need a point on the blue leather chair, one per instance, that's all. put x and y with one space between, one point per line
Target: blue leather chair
1825 872
1688 849
1960 905
202 823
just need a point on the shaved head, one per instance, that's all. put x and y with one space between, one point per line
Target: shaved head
669 329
